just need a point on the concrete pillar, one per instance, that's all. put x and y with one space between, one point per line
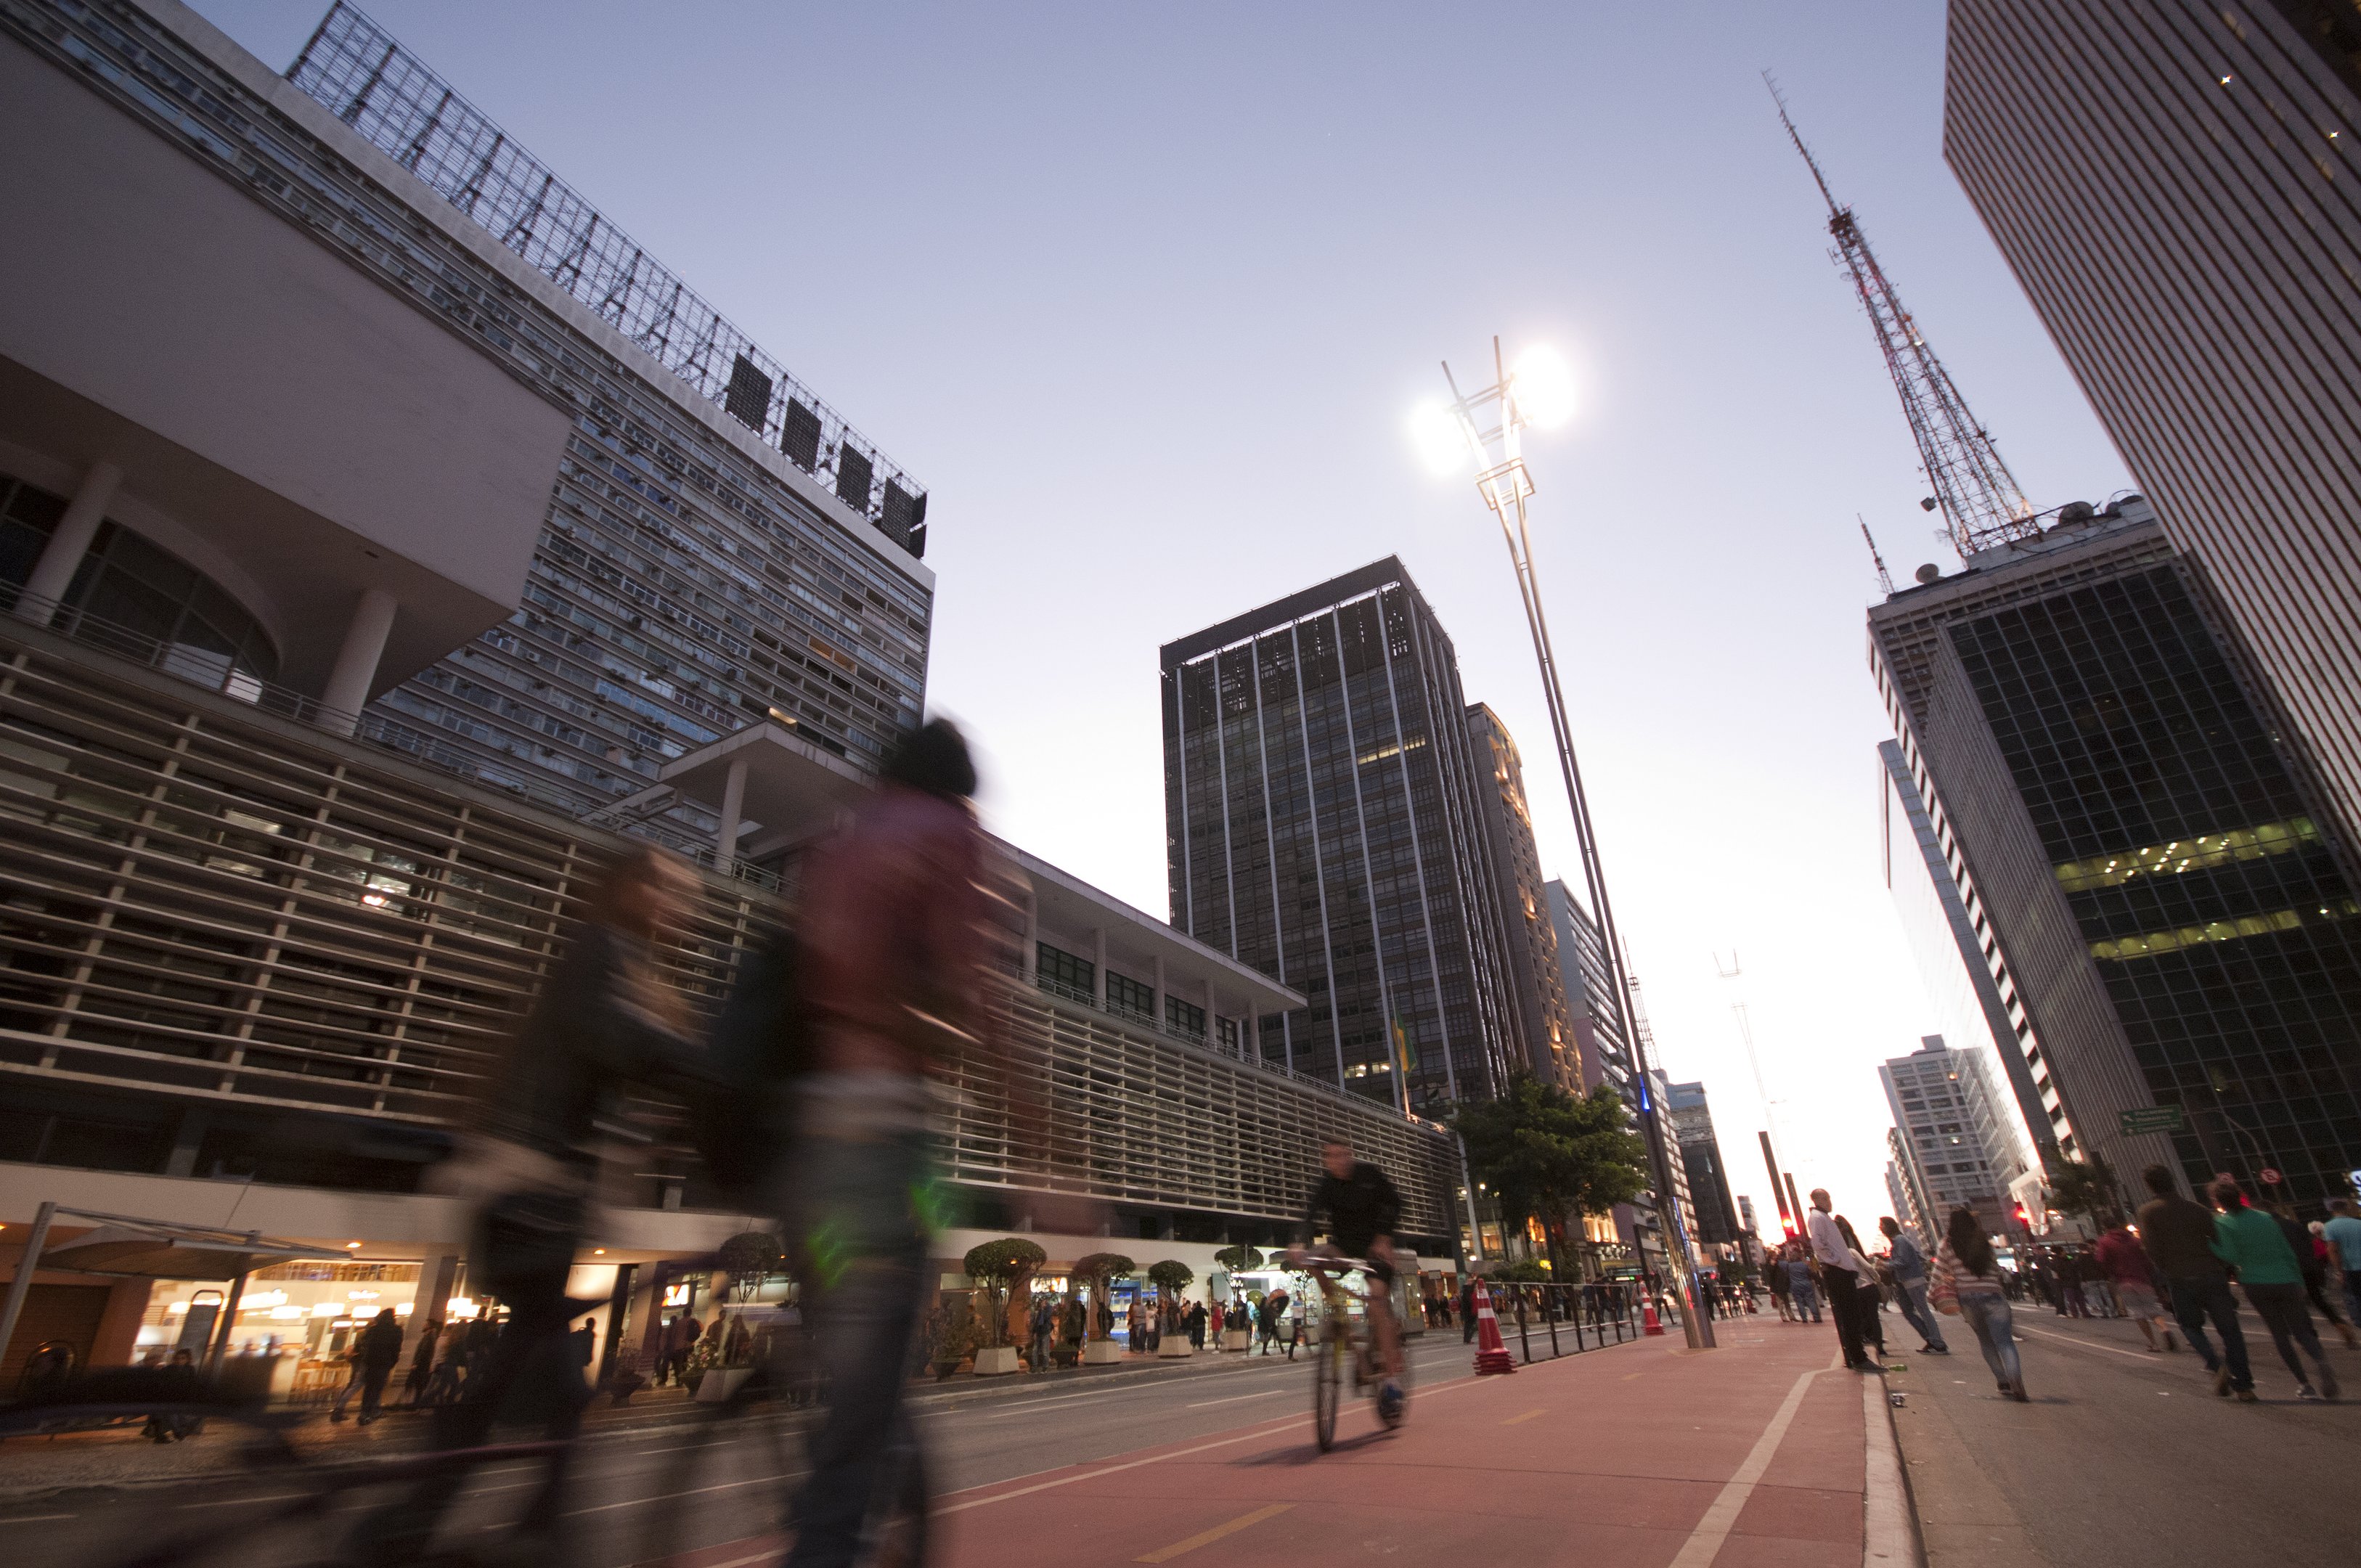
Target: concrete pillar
733 807
1032 934
61 557
1098 967
1212 1027
347 690
437 1275
1156 998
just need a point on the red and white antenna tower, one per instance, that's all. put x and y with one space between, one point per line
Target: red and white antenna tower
1981 504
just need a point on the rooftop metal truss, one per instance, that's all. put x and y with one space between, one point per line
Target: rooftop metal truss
357 71
1981 504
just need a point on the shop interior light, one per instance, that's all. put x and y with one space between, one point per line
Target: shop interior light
287 1314
326 1310
460 1307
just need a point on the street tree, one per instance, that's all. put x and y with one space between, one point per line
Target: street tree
2086 1187
1100 1268
1547 1155
998 1267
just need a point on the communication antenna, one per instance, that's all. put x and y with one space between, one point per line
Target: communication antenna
1884 578
1753 1062
1981 504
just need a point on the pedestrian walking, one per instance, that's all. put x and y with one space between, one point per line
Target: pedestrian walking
422 1364
584 1347
375 1351
1872 1298
2249 1241
1196 1329
1467 1311
1966 1281
450 1366
2343 1234
1774 1277
1044 1326
2311 1252
1841 1268
1802 1284
2178 1235
2130 1271
1909 1266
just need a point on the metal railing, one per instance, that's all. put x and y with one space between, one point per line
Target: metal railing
1569 1318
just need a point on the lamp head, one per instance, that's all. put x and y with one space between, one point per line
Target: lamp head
1542 386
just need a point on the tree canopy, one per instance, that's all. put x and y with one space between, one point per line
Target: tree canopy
2086 1187
1172 1275
1238 1259
995 1265
1545 1153
750 1258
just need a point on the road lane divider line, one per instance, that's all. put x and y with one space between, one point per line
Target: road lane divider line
2083 1344
1233 1399
1518 1421
38 1518
1207 1537
667 1496
1706 1541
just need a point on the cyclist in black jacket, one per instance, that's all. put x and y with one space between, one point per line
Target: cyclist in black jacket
1356 1205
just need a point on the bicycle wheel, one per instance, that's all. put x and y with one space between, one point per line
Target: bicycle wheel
1327 1383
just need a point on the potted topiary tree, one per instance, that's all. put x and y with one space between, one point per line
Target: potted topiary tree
1237 1260
751 1259
1102 1269
1171 1278
995 1268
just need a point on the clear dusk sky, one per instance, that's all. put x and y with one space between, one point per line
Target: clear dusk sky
1144 295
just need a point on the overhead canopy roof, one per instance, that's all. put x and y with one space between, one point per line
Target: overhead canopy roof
161 1250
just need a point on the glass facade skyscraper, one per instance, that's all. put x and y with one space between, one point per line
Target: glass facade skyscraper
1537 991
1323 821
1710 1192
2177 185
2157 888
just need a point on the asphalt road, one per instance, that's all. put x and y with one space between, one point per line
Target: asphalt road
2124 1458
646 1491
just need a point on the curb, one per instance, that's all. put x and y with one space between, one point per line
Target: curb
1889 1534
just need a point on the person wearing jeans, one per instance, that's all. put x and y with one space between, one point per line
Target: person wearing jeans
2178 1237
2343 1234
1801 1285
2249 1241
1909 1266
1967 1280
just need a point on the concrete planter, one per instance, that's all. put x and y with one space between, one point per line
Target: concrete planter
719 1383
1101 1353
995 1361
1236 1339
1175 1346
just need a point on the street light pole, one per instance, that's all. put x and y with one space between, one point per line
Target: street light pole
1503 481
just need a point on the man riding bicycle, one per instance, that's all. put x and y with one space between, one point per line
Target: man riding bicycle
1356 1205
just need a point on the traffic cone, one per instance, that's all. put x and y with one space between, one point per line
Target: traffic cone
1491 1351
1648 1322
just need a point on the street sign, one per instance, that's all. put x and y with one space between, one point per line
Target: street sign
2271 1177
2151 1119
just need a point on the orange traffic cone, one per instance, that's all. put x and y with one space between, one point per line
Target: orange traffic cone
1491 1351
1648 1321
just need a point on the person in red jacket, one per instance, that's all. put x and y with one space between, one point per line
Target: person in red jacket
2128 1270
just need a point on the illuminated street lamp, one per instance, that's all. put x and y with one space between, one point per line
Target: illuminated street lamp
1488 426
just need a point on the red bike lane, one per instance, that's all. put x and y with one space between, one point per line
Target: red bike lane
1647 1455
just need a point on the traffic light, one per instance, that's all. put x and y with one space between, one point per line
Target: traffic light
2023 1223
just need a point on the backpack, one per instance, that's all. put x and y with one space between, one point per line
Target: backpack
741 1113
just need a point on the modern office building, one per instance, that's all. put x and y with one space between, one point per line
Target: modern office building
292 427
1968 983
1588 981
2143 855
1709 1193
1908 1204
1537 992
1325 807
2177 185
1957 1145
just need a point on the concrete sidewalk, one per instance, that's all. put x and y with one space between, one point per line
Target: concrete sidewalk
2125 1458
1758 1456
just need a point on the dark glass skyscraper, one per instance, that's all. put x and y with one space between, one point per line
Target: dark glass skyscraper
1537 992
2177 184
2155 879
1321 798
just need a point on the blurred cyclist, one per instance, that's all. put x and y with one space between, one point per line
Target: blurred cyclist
606 1019
1355 1203
893 913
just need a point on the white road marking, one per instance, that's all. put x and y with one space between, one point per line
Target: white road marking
2079 1345
1233 1399
1705 1542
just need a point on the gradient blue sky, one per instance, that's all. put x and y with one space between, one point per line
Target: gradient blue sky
1145 296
